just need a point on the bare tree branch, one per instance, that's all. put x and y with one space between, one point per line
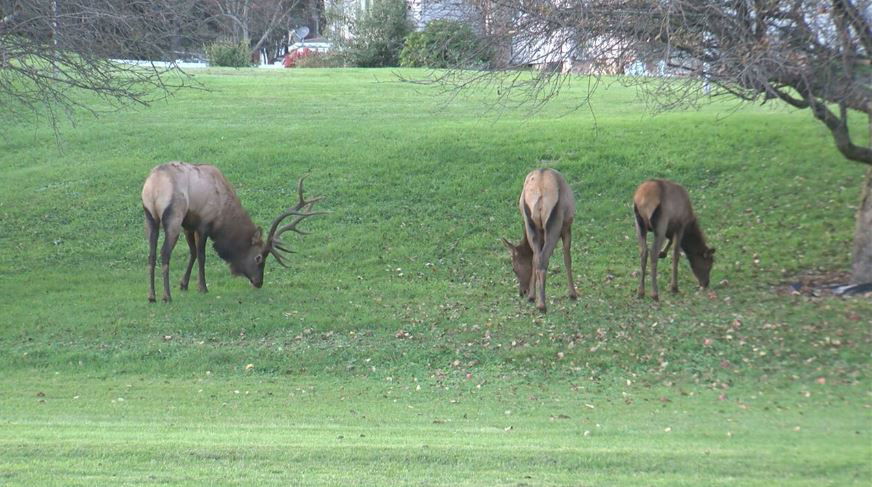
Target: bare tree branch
254 18
52 53
680 53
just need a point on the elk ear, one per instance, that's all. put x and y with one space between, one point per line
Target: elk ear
257 237
710 252
508 245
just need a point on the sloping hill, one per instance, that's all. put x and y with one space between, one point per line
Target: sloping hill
396 349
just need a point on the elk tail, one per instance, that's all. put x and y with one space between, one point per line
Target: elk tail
641 222
529 225
539 211
151 223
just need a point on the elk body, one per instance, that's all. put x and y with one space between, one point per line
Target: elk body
547 207
197 199
663 207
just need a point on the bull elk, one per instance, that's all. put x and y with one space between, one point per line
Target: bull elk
198 199
547 207
663 207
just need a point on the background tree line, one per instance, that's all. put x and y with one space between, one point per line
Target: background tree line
155 30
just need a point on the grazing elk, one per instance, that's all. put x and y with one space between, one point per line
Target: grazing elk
663 207
198 199
548 207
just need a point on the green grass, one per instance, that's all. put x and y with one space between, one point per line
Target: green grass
420 193
322 431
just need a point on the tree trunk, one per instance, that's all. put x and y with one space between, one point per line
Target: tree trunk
861 261
314 19
861 271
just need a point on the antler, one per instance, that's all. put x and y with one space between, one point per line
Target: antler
300 211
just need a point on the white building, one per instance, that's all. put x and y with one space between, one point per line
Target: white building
560 51
421 12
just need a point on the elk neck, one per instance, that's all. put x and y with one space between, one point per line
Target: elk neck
524 248
693 241
232 238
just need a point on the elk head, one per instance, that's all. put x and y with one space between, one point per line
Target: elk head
252 262
522 263
701 264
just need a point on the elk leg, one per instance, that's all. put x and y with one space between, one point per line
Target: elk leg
531 289
642 237
541 270
171 234
665 251
534 238
658 243
152 229
567 259
192 246
676 251
201 261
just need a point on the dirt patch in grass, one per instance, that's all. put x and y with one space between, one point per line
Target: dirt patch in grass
818 284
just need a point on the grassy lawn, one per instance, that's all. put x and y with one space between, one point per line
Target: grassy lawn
396 350
326 431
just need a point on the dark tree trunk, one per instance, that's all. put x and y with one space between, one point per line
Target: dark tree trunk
314 18
861 271
861 261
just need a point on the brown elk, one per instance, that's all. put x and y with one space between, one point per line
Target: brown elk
198 199
548 207
663 207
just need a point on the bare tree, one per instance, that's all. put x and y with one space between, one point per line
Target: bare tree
53 51
254 21
810 54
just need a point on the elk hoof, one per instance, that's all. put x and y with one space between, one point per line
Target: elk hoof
655 297
573 296
542 308
662 255
674 290
167 299
183 286
202 289
151 299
